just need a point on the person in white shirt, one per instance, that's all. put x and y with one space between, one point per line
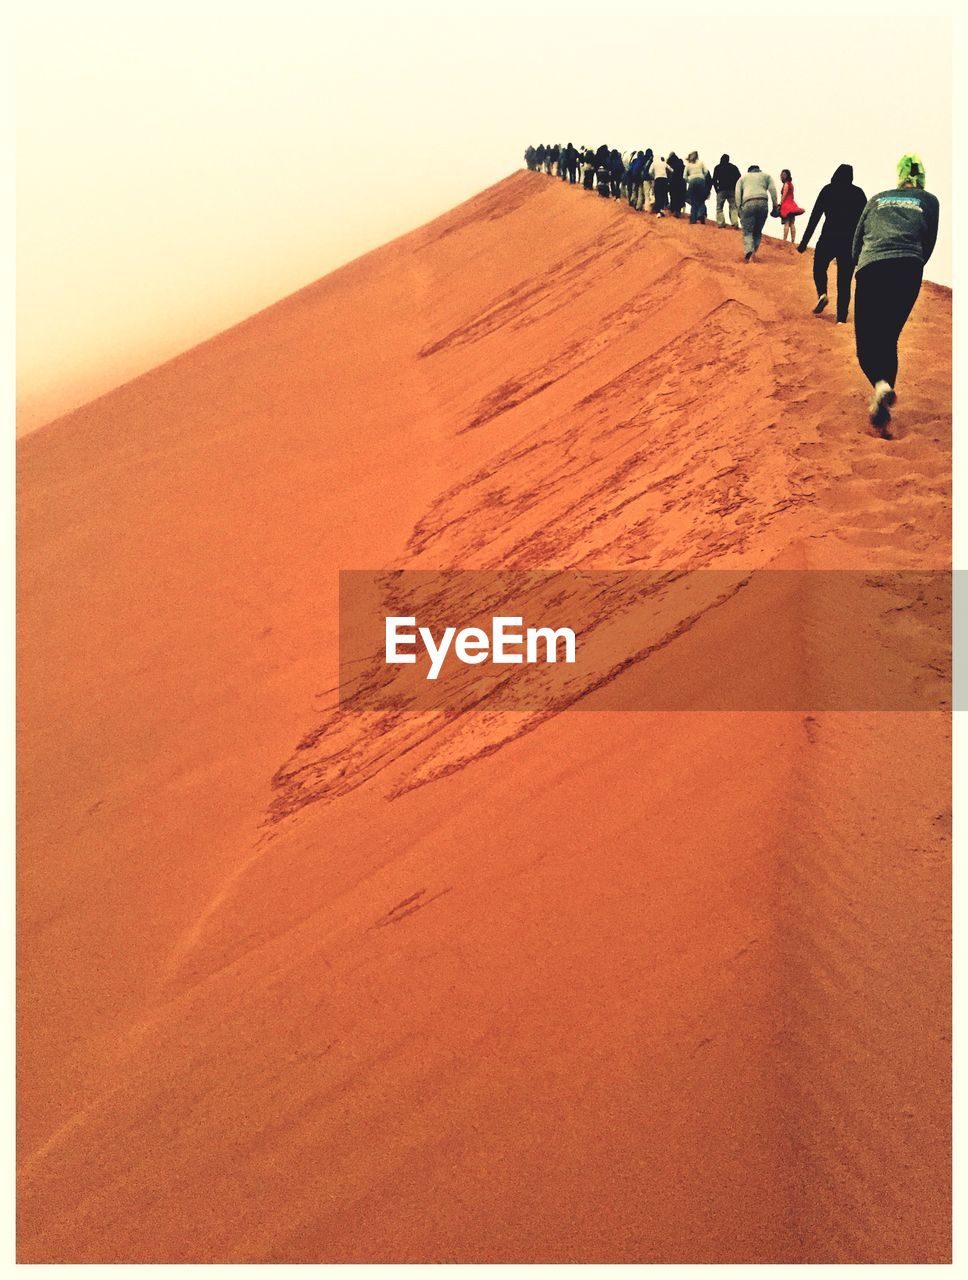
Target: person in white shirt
659 173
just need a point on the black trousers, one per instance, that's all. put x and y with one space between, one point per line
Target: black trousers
825 253
884 294
661 193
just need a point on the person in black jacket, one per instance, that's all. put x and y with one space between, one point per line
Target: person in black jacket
571 163
840 204
677 184
616 168
603 171
725 177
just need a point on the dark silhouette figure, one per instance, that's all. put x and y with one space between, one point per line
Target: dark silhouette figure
616 168
840 204
677 184
571 163
725 177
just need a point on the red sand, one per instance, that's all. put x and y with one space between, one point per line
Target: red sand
607 987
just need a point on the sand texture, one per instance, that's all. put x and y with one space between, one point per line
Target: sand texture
600 986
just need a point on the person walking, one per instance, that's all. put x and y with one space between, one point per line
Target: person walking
587 168
697 187
659 177
725 177
840 204
627 158
572 164
646 197
603 175
677 185
894 238
616 169
789 209
754 191
634 179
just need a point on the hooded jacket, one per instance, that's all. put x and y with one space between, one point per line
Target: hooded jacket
840 204
725 175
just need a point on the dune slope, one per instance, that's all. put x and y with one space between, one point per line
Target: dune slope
297 985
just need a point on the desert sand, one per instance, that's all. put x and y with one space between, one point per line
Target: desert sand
302 986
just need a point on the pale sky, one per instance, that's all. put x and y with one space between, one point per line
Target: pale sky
182 165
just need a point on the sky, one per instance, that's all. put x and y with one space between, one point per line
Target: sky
181 166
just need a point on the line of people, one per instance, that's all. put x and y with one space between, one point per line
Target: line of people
886 240
662 184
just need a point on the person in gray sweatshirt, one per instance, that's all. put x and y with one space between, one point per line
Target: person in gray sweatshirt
894 239
754 191
698 182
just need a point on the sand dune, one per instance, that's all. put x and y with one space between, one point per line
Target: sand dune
297 985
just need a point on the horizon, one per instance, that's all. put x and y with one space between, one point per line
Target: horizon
189 212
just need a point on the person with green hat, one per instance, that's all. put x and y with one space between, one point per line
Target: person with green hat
894 239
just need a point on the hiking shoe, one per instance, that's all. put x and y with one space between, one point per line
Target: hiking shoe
880 406
821 303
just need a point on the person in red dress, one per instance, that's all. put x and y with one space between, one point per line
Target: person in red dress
789 209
